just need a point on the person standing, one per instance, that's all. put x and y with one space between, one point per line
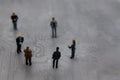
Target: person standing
28 55
19 41
72 47
14 19
53 25
56 56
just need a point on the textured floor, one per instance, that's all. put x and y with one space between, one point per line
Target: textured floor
94 24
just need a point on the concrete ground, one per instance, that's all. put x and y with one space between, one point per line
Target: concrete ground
94 24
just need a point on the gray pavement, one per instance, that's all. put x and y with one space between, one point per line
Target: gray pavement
94 24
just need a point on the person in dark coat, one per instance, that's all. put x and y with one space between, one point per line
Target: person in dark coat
53 25
72 47
19 41
56 56
14 19
28 56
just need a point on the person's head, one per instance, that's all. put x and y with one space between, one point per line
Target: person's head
20 35
13 13
74 42
57 48
27 47
53 18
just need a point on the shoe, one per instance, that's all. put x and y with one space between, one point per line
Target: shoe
53 67
30 64
71 57
18 52
52 36
55 36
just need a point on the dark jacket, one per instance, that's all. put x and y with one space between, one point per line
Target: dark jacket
19 40
56 55
53 24
72 47
28 53
14 18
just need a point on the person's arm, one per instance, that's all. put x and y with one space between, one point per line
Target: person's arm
60 54
70 46
56 23
24 51
22 39
17 17
51 23
53 56
16 40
